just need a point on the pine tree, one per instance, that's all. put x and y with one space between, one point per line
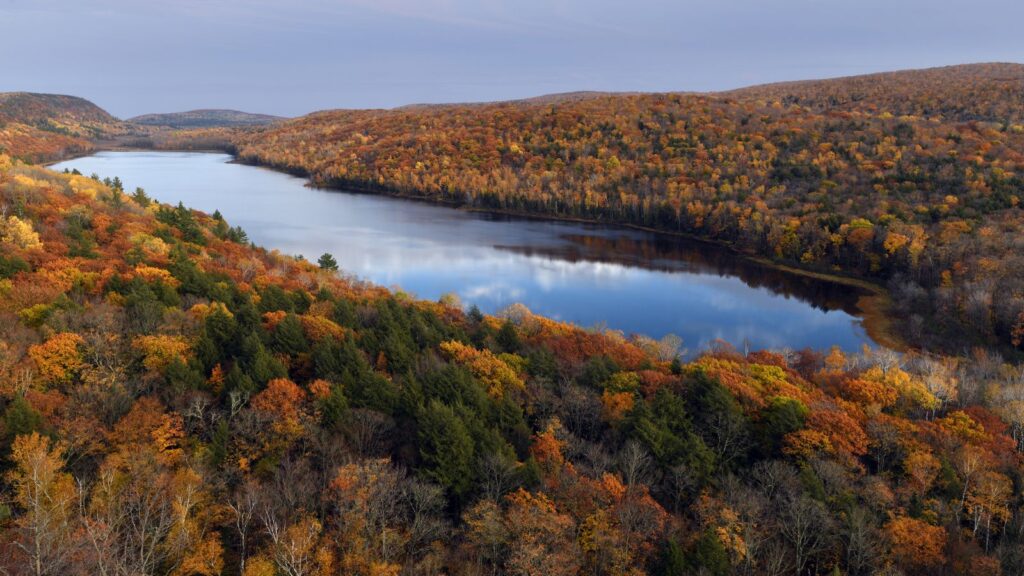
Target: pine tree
327 262
446 448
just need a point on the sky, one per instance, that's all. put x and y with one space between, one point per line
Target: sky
293 57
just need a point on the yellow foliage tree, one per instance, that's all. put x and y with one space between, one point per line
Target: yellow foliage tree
159 351
916 545
912 392
59 358
20 233
496 375
46 496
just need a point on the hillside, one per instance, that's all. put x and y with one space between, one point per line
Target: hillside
971 92
929 207
205 119
557 98
41 127
29 108
176 401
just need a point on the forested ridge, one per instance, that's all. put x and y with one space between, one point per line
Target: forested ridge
972 92
176 401
42 127
204 119
912 179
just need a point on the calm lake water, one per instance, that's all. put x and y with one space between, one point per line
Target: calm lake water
587 274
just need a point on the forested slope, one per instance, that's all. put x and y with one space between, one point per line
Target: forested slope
41 127
205 119
930 205
175 401
973 92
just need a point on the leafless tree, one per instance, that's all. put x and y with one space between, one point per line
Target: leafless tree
367 432
598 461
581 410
774 478
634 463
244 507
834 477
294 487
425 504
753 514
776 558
860 537
130 519
805 525
726 435
497 475
681 482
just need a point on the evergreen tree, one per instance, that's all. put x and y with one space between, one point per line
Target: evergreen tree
508 337
335 407
708 556
327 262
672 561
446 448
20 418
781 417
141 198
288 336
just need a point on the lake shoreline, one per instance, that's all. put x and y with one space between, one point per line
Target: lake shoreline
874 306
873 303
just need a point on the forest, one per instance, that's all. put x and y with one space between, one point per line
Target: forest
912 179
204 119
965 93
47 127
177 401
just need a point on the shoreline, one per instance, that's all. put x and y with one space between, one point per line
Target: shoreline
873 304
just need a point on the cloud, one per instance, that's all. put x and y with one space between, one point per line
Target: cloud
517 17
497 292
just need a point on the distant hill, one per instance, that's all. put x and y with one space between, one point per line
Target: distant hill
980 92
40 127
205 119
557 98
35 109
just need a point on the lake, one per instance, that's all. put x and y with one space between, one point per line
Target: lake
628 280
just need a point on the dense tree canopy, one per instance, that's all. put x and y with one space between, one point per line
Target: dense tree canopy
970 92
176 401
38 127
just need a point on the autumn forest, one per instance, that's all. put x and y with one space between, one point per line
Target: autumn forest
176 400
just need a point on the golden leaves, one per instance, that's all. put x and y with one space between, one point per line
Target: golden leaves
159 351
59 358
154 274
496 375
20 234
616 404
916 544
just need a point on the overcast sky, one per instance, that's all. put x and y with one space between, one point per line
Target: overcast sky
292 57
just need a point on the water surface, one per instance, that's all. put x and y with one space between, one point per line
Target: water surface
628 280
